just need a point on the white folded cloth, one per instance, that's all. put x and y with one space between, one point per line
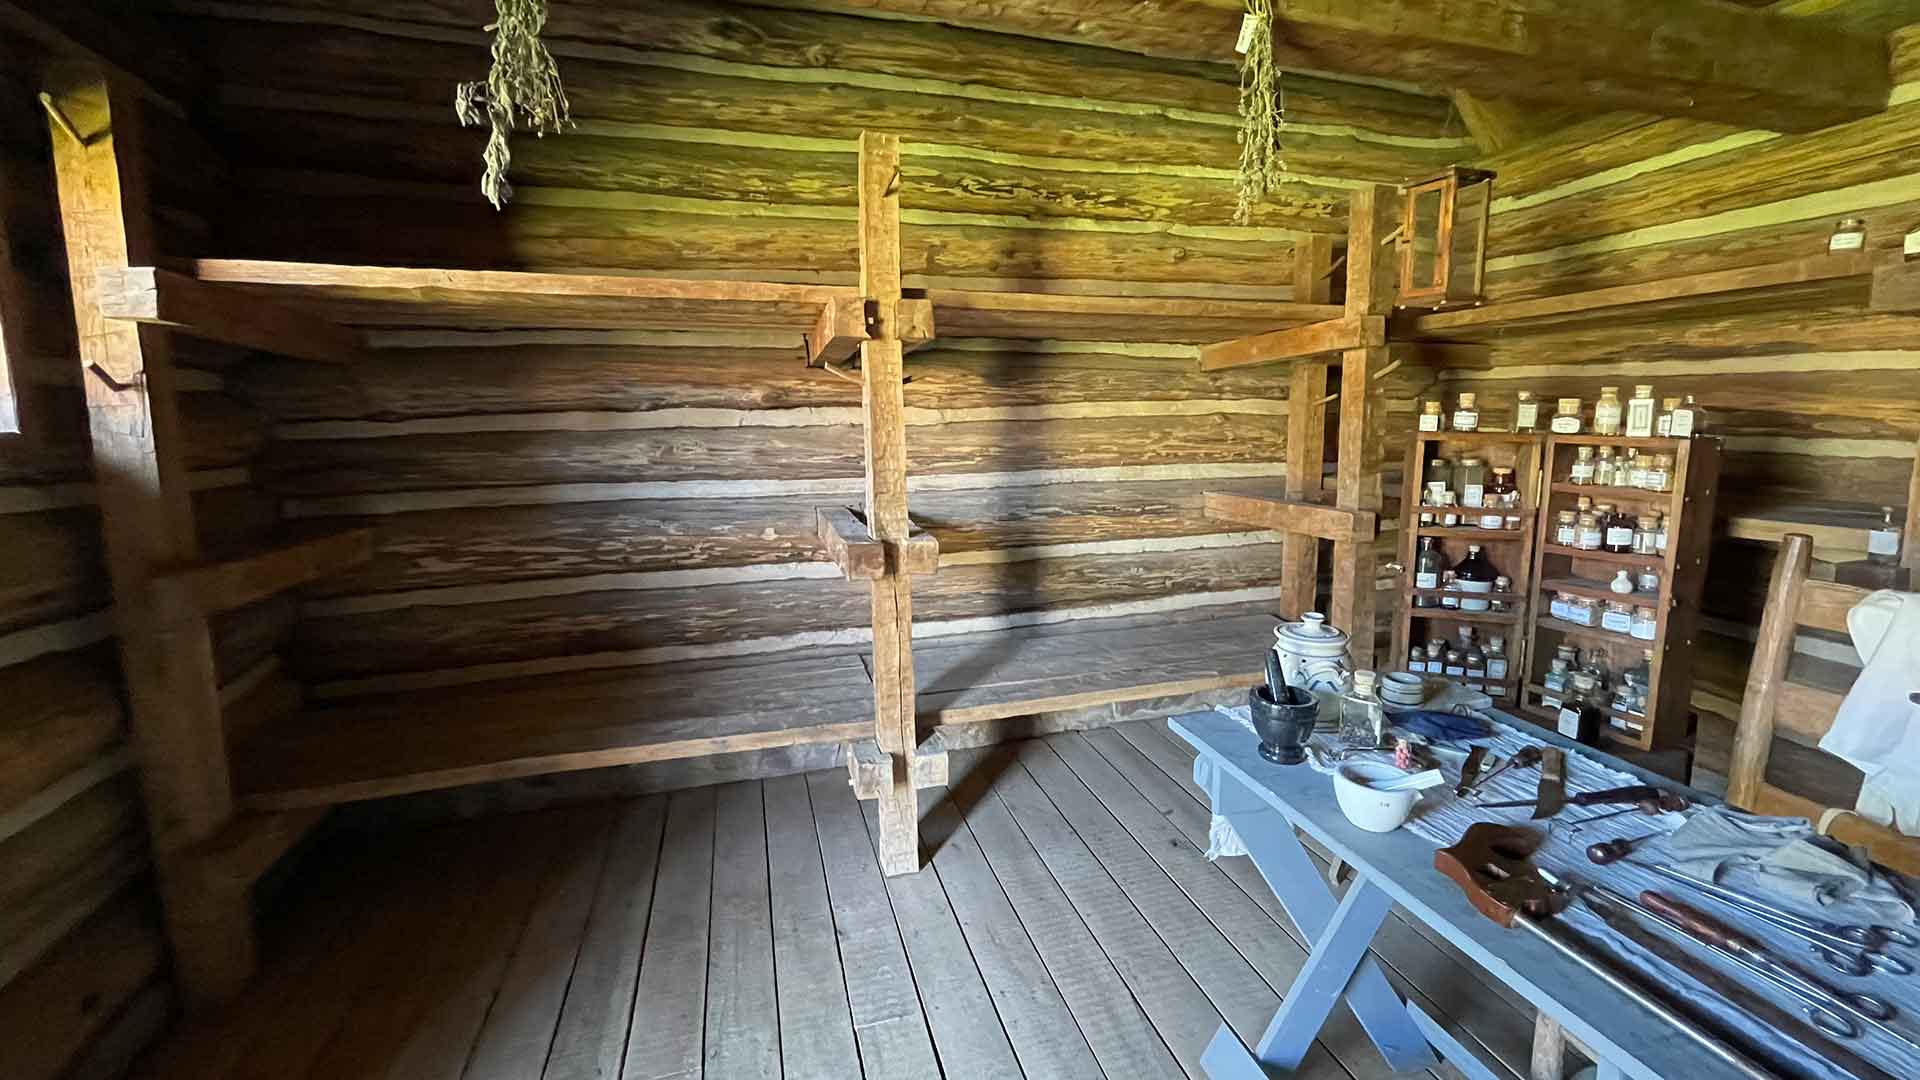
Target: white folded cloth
1878 727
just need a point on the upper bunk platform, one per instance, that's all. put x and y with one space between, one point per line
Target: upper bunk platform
1823 279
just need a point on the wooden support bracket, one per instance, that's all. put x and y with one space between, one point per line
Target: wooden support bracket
201 591
1294 516
220 313
844 324
850 545
870 769
1332 335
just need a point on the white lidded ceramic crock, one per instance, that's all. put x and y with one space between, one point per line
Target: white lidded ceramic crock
1313 655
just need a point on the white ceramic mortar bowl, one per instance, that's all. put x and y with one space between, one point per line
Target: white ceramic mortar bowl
1372 810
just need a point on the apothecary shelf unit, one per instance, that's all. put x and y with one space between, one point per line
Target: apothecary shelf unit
1509 550
1682 567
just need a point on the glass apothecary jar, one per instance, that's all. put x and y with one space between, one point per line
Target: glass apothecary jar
1646 623
1470 480
1587 536
1526 412
1603 468
1642 413
1659 476
1646 536
1583 466
1617 617
1566 529
1466 417
1502 491
1430 419
1566 417
1618 537
1363 722
1649 580
1607 412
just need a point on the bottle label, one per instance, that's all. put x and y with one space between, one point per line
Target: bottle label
1417 666
1456 670
1496 690
1566 425
1496 667
1565 535
1492 521
1883 542
1589 539
1569 722
1847 241
1450 601
1682 426
1472 603
1526 416
1617 621
1429 422
1664 428
1426 581
1606 419
1644 629
1582 472
1473 495
1640 417
1618 536
1466 421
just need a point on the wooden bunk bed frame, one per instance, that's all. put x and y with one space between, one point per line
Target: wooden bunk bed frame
221 815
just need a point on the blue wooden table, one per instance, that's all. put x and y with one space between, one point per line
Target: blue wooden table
1267 802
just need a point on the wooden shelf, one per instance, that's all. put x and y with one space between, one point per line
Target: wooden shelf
1592 633
1468 532
1456 615
1612 492
1613 557
1479 438
1820 280
1612 713
973 313
1597 590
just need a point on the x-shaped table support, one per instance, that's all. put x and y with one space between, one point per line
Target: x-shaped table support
1339 966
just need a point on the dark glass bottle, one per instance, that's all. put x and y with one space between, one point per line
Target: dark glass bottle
1616 530
1580 717
1474 575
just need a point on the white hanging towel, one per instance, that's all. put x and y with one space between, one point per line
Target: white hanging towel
1878 727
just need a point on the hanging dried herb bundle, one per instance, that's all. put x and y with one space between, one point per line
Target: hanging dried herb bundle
522 89
1263 113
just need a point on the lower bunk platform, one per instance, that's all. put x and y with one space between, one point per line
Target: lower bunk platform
403 743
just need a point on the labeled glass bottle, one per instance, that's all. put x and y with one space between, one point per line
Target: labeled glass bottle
1646 623
1583 466
1883 540
1633 473
1689 420
1646 534
1607 412
1566 417
1849 235
1430 416
1526 412
1497 658
1417 660
1436 657
1642 413
1588 536
1502 584
1566 530
1456 664
1502 491
1619 530
1640 678
1449 582
1659 475
1556 677
1470 480
1476 667
1664 426
1603 468
1466 416
1427 568
1363 722
1617 617
1474 575
1648 581
1578 718
1449 512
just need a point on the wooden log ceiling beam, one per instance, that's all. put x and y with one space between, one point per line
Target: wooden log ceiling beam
1693 58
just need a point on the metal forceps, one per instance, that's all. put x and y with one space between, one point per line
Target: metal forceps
1848 949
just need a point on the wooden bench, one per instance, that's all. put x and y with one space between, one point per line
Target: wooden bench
1775 704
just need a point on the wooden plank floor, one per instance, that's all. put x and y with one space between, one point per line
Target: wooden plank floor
1068 926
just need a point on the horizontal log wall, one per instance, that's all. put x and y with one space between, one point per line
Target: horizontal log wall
552 501
1820 407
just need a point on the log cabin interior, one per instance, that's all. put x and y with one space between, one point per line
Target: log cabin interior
717 613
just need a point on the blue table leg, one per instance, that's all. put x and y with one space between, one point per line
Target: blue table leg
1288 870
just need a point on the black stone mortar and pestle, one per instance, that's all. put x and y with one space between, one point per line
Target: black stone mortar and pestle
1283 715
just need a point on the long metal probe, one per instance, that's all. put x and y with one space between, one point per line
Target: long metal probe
1639 997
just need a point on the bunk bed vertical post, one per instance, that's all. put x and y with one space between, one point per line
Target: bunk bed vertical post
1306 429
883 408
146 515
1370 291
